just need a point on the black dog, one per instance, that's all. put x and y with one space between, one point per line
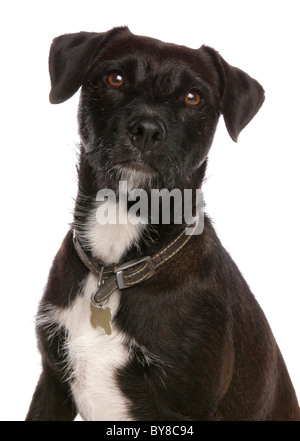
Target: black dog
175 334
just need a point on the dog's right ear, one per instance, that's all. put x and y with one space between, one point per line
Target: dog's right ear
70 57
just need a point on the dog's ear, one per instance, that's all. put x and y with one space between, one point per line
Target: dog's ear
70 57
241 95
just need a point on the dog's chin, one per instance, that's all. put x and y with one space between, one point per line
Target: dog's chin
139 166
138 174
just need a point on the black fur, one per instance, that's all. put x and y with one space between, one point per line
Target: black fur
221 361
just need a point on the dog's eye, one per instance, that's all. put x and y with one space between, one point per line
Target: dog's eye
115 79
192 98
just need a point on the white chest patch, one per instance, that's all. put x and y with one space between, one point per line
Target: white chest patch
92 355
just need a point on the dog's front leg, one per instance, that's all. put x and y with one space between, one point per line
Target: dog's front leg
51 400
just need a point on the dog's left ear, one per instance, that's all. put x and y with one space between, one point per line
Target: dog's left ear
241 95
70 58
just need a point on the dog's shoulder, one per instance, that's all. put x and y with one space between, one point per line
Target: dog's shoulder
66 275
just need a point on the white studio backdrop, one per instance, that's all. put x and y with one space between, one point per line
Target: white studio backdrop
252 188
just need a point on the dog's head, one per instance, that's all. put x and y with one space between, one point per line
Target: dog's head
149 108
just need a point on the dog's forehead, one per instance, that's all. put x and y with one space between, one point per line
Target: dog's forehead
154 57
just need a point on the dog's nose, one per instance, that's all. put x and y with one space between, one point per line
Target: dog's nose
147 133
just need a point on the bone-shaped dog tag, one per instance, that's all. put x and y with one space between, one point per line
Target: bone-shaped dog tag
101 317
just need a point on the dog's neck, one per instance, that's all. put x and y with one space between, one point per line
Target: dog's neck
117 240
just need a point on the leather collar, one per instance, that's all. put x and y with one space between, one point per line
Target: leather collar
129 273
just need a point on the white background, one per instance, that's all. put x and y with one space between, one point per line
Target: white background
252 190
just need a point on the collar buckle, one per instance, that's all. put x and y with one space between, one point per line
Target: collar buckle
148 270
